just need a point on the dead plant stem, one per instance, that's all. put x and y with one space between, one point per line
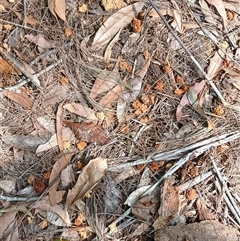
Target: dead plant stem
190 54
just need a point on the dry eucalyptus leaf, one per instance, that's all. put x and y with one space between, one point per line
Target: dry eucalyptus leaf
5 221
219 5
87 180
107 54
194 91
88 132
59 165
57 8
144 208
40 41
215 65
114 23
66 135
67 176
21 99
207 12
81 110
105 81
45 205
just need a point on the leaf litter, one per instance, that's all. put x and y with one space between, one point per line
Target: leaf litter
104 76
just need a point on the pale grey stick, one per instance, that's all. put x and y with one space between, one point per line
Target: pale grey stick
228 202
228 195
189 53
195 153
177 153
18 199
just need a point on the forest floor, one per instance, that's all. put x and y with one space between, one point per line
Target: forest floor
120 120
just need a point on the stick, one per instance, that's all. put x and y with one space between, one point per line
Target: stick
190 55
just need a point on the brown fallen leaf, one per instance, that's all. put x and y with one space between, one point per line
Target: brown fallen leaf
59 165
6 228
28 20
216 65
40 41
57 8
45 205
105 81
204 212
91 174
170 200
219 5
114 23
6 68
21 99
88 132
144 208
81 110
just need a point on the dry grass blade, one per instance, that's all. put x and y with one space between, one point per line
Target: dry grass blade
114 23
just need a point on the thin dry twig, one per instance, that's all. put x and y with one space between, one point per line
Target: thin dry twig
228 196
26 69
189 54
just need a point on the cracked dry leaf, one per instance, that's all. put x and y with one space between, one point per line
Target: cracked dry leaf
91 174
114 23
88 132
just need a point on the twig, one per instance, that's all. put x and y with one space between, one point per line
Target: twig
195 153
183 187
18 199
228 202
227 197
26 69
143 128
190 55
178 153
